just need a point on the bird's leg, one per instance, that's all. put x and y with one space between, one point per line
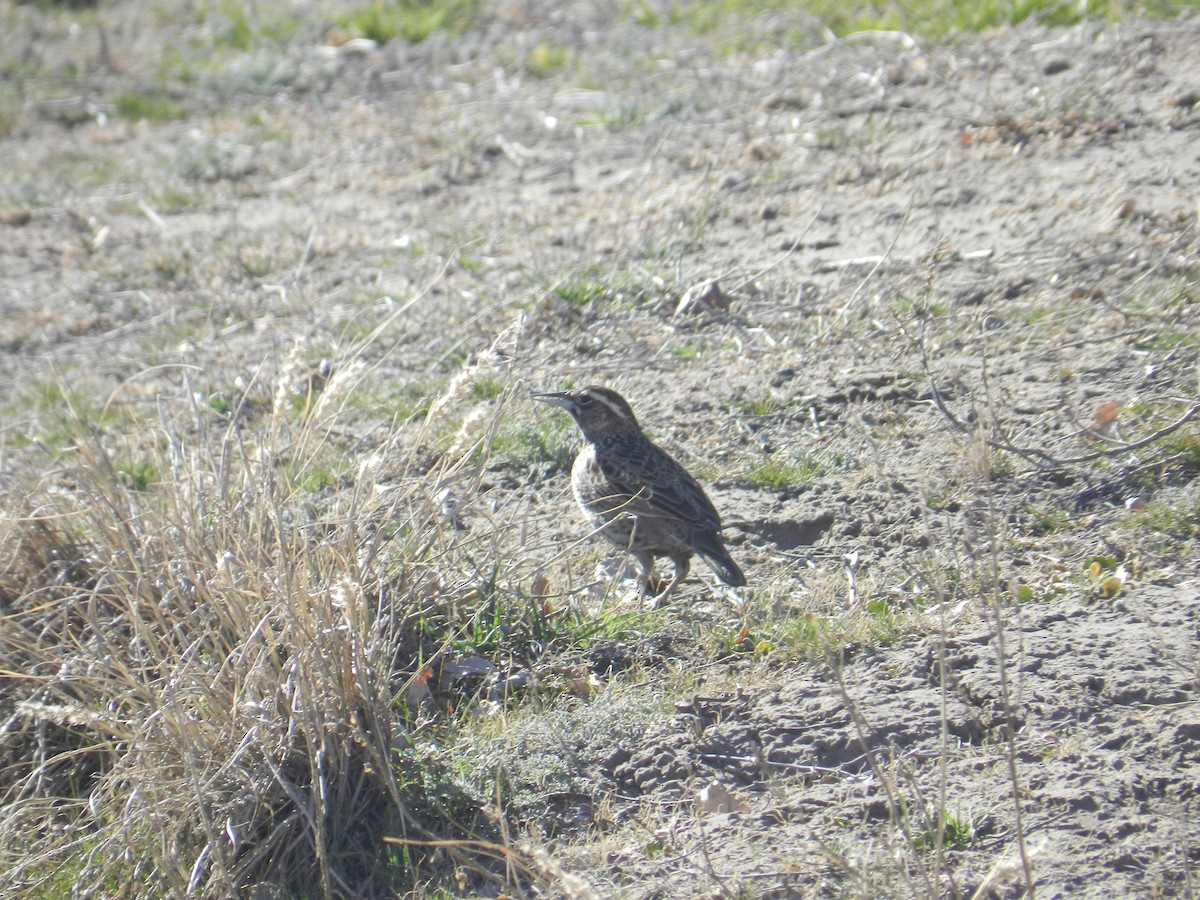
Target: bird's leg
648 581
682 565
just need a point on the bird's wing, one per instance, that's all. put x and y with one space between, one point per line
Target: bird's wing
654 479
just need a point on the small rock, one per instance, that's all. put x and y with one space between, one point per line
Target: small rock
716 798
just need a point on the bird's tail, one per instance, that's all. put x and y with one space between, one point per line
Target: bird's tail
710 549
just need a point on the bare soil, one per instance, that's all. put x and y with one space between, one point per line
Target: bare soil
916 248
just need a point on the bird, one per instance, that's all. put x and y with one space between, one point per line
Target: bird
637 496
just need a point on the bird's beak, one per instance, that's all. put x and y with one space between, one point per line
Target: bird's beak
558 398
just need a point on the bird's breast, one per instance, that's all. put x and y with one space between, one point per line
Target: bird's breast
585 462
591 488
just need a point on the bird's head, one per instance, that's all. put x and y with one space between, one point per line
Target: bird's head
596 410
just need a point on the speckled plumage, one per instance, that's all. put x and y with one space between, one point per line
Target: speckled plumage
636 495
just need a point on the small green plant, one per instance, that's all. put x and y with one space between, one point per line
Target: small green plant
411 20
138 475
315 479
685 351
486 388
543 59
175 199
920 307
580 290
795 469
244 26
607 117
219 403
775 474
69 413
151 106
958 831
521 626
1167 337
239 34
1045 520
809 635
170 264
1184 445
760 403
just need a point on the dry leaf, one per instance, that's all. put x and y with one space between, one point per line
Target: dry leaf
1106 414
1112 585
416 693
585 687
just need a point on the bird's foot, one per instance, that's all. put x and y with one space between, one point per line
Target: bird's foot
657 590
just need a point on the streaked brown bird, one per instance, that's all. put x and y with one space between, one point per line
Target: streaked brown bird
636 495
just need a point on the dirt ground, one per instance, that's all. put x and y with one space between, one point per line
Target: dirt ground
915 247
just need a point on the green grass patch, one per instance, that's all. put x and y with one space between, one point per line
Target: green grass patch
580 290
1045 520
611 117
759 403
815 636
257 261
313 479
778 472
153 106
486 388
59 413
1183 446
951 830
410 20
686 351
176 199
548 440
811 19
545 59
1176 521
138 474
920 307
525 627
243 26
1168 337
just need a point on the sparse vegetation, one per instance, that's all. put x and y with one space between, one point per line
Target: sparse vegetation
580 289
761 403
410 20
538 439
795 469
950 830
247 626
295 599
157 107
544 59
930 19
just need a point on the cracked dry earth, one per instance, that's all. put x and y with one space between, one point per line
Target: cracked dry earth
914 246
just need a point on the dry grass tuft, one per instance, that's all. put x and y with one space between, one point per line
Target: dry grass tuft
202 683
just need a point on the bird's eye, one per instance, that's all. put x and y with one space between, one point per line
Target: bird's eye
586 400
